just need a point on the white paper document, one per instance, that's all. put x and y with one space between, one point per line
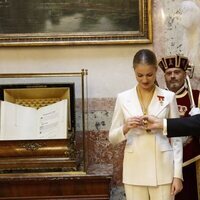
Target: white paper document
22 123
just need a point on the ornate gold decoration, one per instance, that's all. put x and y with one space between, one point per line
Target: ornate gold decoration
32 146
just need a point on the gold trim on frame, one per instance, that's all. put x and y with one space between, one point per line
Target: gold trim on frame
143 35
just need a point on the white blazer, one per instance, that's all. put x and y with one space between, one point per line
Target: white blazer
149 159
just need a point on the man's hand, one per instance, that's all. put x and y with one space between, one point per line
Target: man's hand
153 122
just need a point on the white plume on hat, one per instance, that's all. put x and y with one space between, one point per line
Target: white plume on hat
190 18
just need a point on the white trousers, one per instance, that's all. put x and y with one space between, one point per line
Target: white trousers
161 192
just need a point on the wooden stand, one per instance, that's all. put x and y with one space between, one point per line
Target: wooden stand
46 186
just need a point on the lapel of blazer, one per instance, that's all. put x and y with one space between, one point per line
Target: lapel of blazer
132 104
158 102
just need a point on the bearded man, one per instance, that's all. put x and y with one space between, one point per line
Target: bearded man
175 68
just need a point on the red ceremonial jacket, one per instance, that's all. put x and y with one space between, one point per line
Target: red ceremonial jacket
192 147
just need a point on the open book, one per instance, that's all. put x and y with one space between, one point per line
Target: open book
20 122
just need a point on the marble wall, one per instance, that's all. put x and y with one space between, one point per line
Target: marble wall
168 33
100 152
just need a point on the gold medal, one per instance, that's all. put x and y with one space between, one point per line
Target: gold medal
145 124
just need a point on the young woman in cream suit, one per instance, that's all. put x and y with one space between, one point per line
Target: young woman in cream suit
152 166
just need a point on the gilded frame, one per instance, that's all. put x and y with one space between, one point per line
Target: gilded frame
143 34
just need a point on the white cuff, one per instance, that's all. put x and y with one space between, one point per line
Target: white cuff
194 111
